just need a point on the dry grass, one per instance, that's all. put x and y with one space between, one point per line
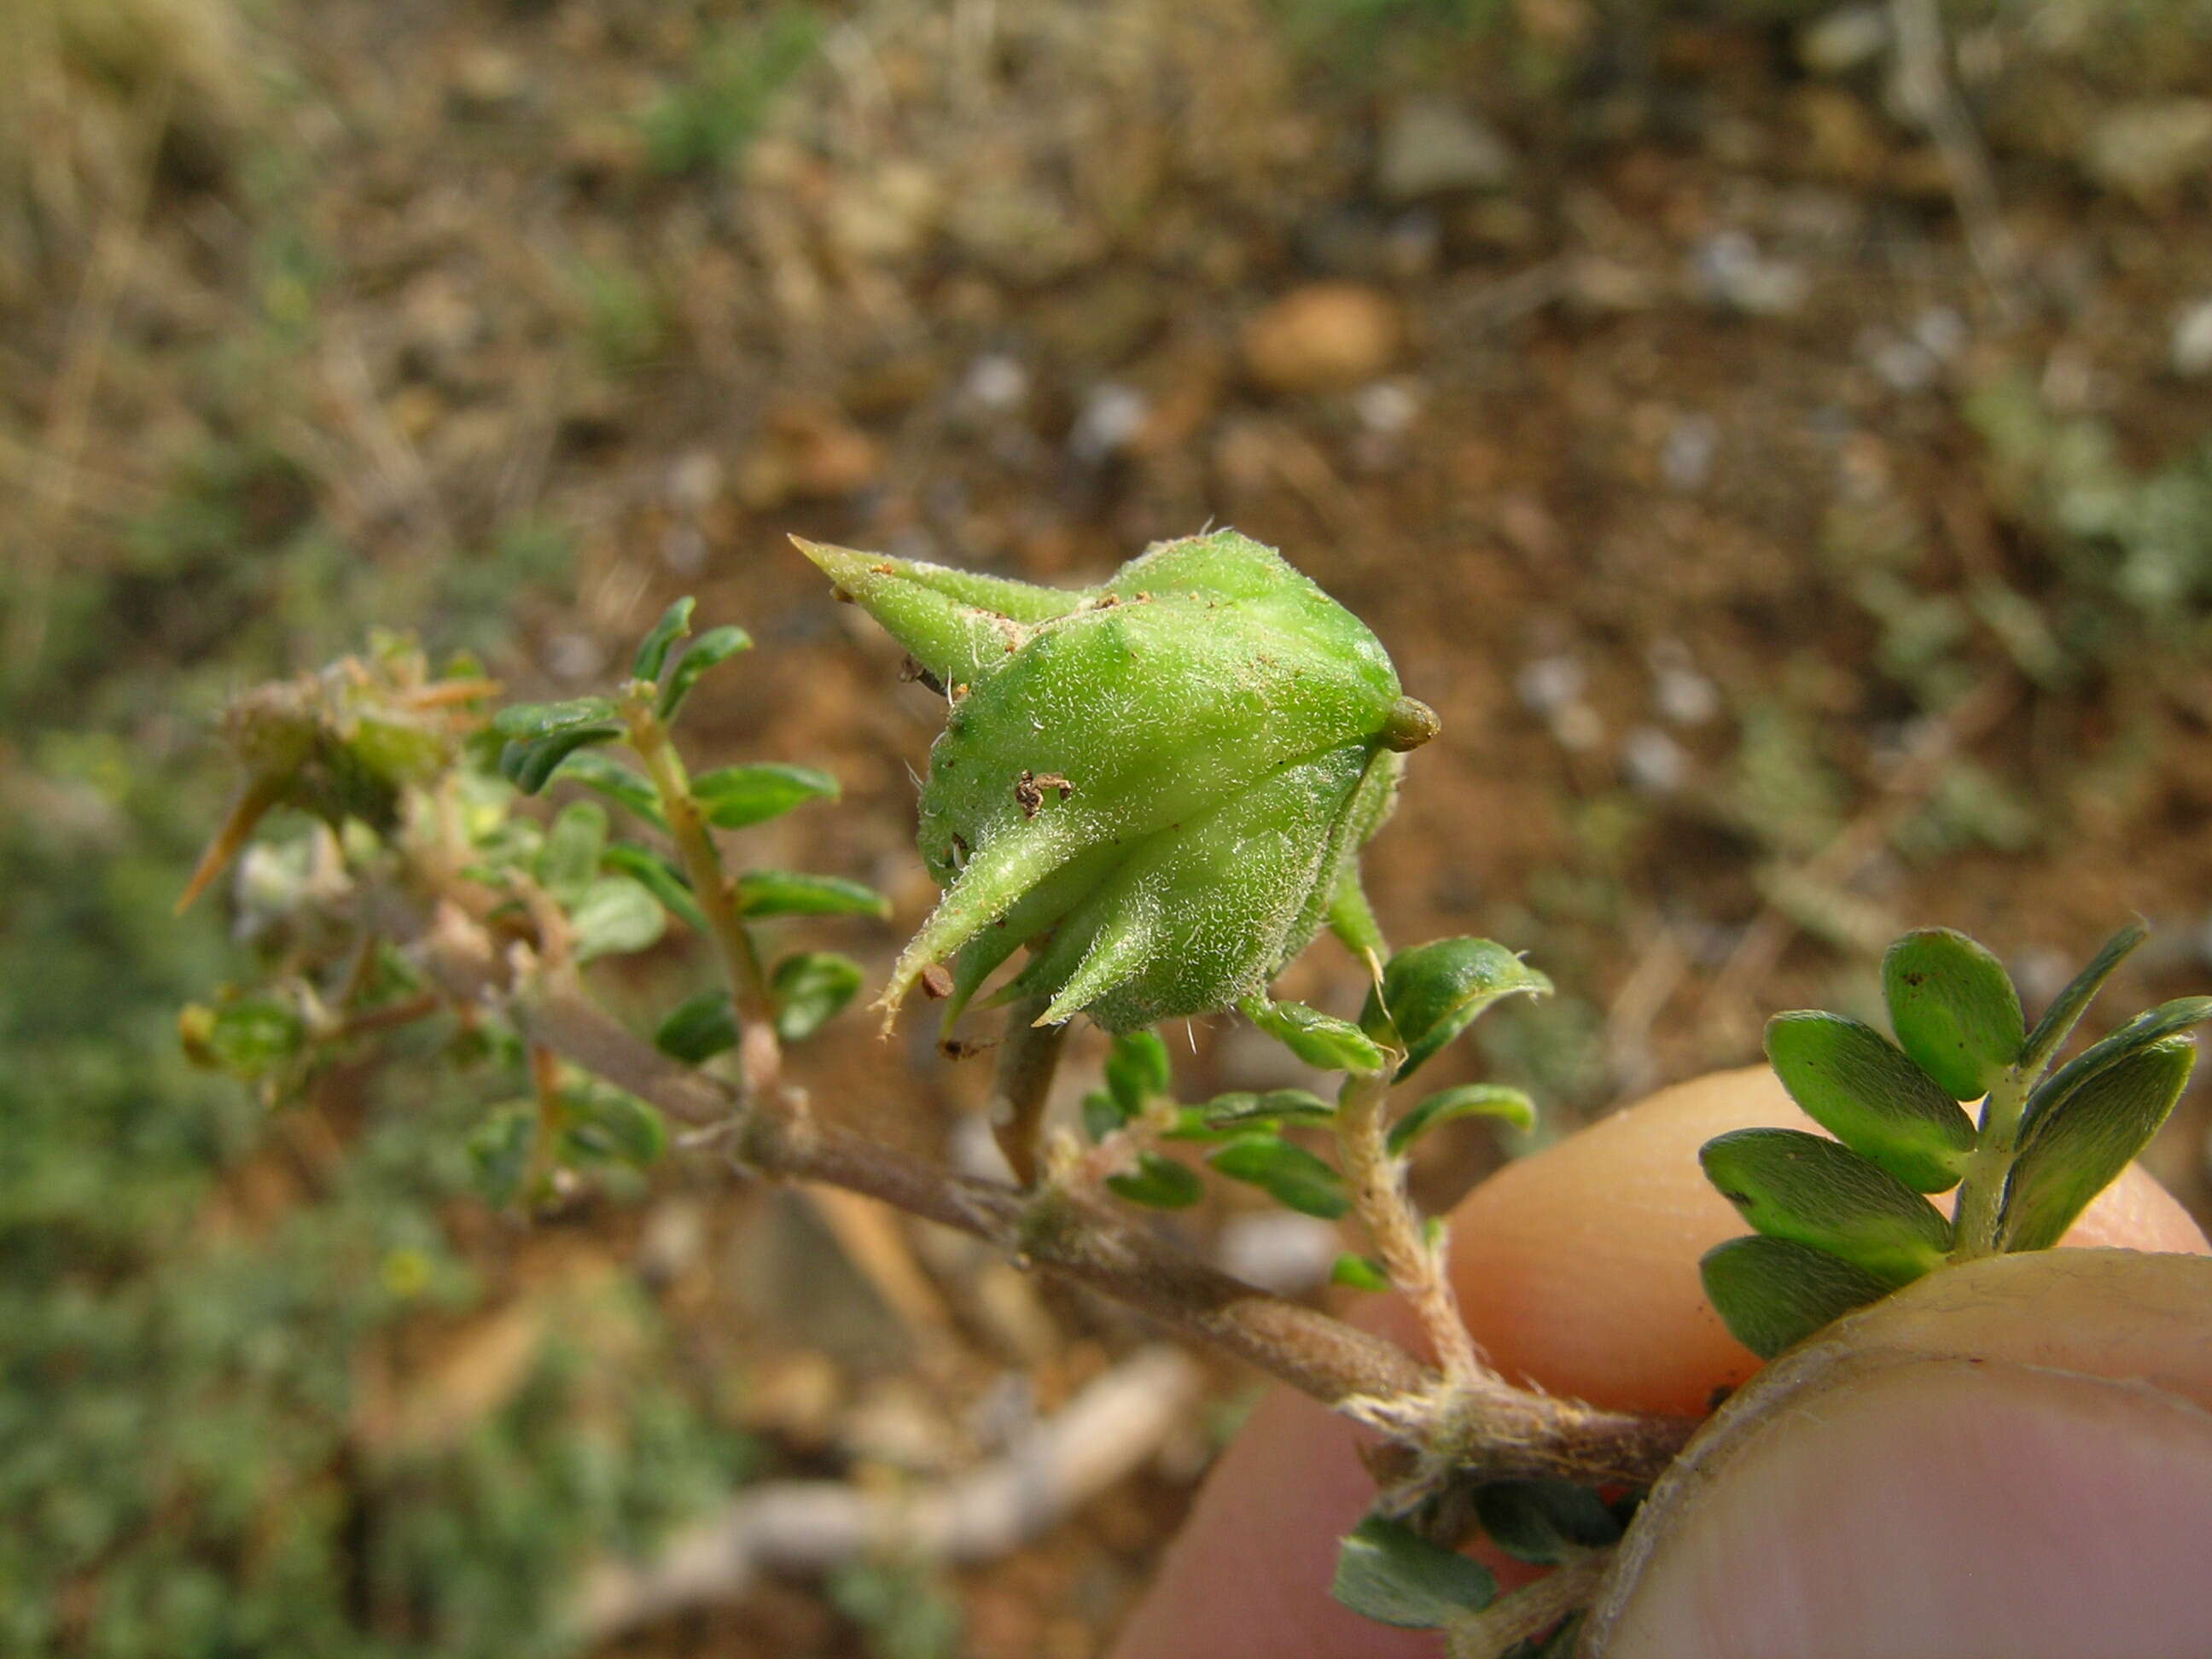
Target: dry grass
104 93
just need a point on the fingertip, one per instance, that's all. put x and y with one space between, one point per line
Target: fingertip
1576 1267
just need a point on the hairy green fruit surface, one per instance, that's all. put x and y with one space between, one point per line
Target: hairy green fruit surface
1158 784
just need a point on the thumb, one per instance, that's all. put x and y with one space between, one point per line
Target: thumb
2014 1457
1577 1269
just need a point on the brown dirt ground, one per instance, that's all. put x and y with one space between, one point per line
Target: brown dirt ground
1577 453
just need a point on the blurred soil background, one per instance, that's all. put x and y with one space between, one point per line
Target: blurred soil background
1794 491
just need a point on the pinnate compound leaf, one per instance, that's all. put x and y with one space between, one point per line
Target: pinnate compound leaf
698 1028
499 1152
734 797
1859 1086
2168 1020
810 987
2082 1141
786 893
1467 1099
1544 1522
1788 1184
607 776
1322 1041
1953 1009
650 870
1290 1175
615 915
716 645
1431 992
2051 1031
1159 1183
1358 1273
653 650
1387 1571
1137 1070
1772 1292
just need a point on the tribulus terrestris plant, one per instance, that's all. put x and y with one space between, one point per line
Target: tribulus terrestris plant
1156 792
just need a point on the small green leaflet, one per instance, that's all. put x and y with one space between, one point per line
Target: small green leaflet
1270 1110
1430 994
1772 1292
810 987
2154 1025
1102 1115
499 1152
249 1036
528 764
1544 1522
615 915
606 1125
1387 1571
716 645
734 797
653 650
1358 1273
1953 1009
1788 1184
568 858
1137 1070
609 777
526 722
1862 1089
1160 1183
2082 1140
2052 1030
1322 1041
698 1028
658 877
1467 1099
1290 1175
786 893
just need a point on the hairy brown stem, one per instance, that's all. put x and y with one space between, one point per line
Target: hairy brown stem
1509 1431
1529 1611
1377 1178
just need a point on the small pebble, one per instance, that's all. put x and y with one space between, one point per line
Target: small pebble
996 382
1686 459
1653 762
1549 684
1111 416
1726 268
1278 1251
2190 352
1682 694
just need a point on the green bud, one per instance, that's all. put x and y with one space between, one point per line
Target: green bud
1158 784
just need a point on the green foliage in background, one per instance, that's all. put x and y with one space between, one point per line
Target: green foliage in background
184 1461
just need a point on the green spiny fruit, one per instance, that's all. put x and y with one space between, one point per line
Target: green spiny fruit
1160 785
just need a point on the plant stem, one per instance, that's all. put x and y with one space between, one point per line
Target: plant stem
1376 1180
760 1055
1974 1226
1029 1058
1529 1611
1505 1432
